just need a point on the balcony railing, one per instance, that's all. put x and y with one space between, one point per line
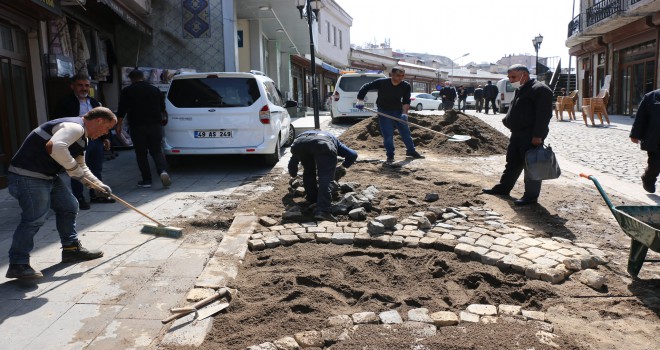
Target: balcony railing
574 26
632 2
603 10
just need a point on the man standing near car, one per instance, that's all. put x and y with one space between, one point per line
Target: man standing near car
462 97
144 106
528 119
479 98
490 94
394 100
448 94
317 151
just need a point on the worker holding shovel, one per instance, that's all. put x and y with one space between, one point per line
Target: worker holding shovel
394 100
35 182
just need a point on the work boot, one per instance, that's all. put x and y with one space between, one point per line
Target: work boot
325 216
389 160
22 271
144 184
648 185
76 252
414 154
165 179
82 204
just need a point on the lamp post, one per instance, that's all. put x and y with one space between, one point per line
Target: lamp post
537 45
452 65
309 9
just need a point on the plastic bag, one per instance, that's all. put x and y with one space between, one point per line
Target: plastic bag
541 164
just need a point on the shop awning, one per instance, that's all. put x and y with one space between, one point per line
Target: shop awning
128 16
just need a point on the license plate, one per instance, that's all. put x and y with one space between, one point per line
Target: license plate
368 105
205 134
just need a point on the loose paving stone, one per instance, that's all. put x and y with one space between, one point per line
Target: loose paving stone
509 310
263 346
501 241
286 343
272 242
411 242
358 214
467 240
542 326
344 321
309 339
365 317
547 338
342 238
552 275
419 315
427 242
420 329
445 245
465 316
306 236
376 228
390 317
388 221
334 335
482 309
288 240
533 271
267 221
478 252
380 241
488 319
491 258
395 242
444 318
362 239
463 249
424 223
573 264
256 244
197 294
533 315
590 278
323 237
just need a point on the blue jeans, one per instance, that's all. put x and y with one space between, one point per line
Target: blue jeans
387 130
35 197
94 160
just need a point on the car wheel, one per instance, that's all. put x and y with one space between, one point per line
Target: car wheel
291 136
273 158
440 107
419 107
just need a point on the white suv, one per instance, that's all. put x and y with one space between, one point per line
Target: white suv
226 113
345 96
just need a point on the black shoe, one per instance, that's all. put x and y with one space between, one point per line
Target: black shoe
325 216
76 252
144 184
494 192
22 271
165 179
82 204
389 160
101 199
524 201
414 154
648 185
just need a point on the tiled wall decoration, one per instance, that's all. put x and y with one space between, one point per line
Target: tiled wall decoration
196 19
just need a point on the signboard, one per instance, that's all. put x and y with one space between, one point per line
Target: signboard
128 17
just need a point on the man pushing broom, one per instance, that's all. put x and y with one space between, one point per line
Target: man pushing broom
35 182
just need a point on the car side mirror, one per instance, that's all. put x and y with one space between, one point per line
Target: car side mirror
290 103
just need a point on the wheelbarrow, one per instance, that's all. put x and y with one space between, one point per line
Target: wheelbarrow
641 223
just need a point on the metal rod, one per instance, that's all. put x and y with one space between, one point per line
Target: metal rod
315 90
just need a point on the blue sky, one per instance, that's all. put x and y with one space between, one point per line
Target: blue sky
487 29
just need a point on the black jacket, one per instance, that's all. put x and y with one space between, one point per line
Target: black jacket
448 93
69 106
462 94
531 110
390 97
491 91
478 93
142 103
646 127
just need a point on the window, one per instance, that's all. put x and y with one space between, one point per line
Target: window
272 93
213 92
327 24
353 84
341 44
334 35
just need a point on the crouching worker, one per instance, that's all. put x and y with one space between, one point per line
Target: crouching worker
317 151
35 182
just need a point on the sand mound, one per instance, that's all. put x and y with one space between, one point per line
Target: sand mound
485 140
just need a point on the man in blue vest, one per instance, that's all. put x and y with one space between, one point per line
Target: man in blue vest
34 181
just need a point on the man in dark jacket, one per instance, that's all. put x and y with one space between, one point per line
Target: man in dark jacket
462 97
144 106
448 94
317 151
490 94
74 105
478 98
646 132
394 100
528 119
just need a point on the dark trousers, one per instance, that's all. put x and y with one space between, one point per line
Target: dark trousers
447 104
492 102
479 104
318 157
94 160
515 164
147 139
461 104
653 168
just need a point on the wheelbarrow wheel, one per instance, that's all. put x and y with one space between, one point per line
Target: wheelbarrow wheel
637 255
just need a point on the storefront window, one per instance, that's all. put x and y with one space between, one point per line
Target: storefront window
6 40
638 52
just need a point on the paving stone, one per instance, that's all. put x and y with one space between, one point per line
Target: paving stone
512 236
573 264
550 246
323 237
375 227
424 223
447 236
309 339
562 240
530 256
552 275
350 230
286 343
444 318
537 250
478 252
532 242
465 316
306 236
256 245
555 256
334 335
362 239
580 251
218 273
488 319
565 252
518 245
258 235
542 326
409 222
588 262
358 224
197 294
518 319
440 230
467 240
473 235
534 271
395 242
334 229
419 315
463 249
344 321
545 262
365 317
390 317
380 241
585 245
520 264
444 225
445 245
590 278
342 238
410 227
288 240
292 225
482 309
501 241
272 242
299 230
491 258
263 346
316 229
509 310
597 252
533 315
458 233
427 242
481 242
411 242
420 329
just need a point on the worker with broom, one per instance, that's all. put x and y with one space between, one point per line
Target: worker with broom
394 100
317 151
34 181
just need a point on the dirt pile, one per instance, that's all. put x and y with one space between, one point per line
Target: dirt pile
485 140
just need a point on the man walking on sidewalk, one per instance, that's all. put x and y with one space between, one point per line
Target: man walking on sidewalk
34 180
394 100
478 98
144 106
646 132
490 94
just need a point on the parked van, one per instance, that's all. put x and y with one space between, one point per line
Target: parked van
506 92
345 96
226 113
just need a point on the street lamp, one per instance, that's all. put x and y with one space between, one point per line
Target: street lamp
452 65
307 5
537 45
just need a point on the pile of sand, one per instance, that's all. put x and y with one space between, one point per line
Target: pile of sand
485 140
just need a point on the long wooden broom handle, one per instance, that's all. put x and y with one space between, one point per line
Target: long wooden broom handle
96 187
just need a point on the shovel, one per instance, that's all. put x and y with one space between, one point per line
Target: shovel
455 138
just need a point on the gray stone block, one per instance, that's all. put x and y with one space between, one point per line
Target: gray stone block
509 310
342 238
365 317
444 318
482 309
288 240
445 245
427 242
309 339
256 245
323 237
343 321
395 242
465 316
420 329
419 315
390 317
491 258
388 221
411 242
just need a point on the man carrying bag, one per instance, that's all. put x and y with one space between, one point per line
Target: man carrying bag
528 119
